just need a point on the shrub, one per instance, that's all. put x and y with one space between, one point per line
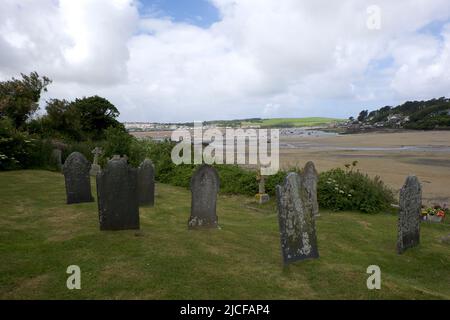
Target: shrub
117 142
340 189
84 148
20 150
236 180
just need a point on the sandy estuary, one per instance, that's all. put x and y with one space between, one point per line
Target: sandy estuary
390 155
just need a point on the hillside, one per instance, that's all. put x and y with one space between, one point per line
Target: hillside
424 115
40 236
277 122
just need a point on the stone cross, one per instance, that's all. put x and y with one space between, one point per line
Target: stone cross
77 180
261 185
146 183
409 214
205 185
296 219
96 152
118 199
95 167
261 196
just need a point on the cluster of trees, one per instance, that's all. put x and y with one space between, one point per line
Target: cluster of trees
27 139
425 115
19 98
80 120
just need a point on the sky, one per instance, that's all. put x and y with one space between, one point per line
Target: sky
189 60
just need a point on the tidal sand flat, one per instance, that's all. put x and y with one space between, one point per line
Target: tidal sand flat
392 156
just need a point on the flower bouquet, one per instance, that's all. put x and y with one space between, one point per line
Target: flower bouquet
435 214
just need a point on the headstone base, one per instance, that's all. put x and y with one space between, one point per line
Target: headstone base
198 223
262 197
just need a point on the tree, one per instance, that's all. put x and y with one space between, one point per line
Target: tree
19 98
57 113
63 118
96 115
363 115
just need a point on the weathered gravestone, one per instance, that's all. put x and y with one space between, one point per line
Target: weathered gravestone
118 199
146 183
205 185
409 214
57 159
310 177
296 219
76 175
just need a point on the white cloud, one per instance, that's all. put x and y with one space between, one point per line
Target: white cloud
80 41
265 57
424 66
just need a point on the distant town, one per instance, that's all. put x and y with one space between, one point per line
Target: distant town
311 122
433 114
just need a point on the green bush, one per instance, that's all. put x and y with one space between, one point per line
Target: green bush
340 189
84 148
117 142
20 150
180 175
236 180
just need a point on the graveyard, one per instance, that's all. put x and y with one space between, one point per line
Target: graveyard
41 235
224 150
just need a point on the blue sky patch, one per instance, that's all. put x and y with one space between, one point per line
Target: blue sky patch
434 28
201 13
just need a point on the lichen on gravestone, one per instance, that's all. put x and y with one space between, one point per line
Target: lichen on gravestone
205 184
296 216
410 206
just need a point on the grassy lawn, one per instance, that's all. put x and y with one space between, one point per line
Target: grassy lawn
40 236
296 122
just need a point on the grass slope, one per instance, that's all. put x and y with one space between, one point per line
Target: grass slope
40 236
295 122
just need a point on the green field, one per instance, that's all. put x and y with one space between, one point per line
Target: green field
40 236
294 122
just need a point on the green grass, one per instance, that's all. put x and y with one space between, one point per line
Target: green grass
40 236
295 122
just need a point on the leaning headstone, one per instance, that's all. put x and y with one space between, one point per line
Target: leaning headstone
146 183
118 200
205 185
95 167
296 220
409 214
310 182
76 175
57 159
